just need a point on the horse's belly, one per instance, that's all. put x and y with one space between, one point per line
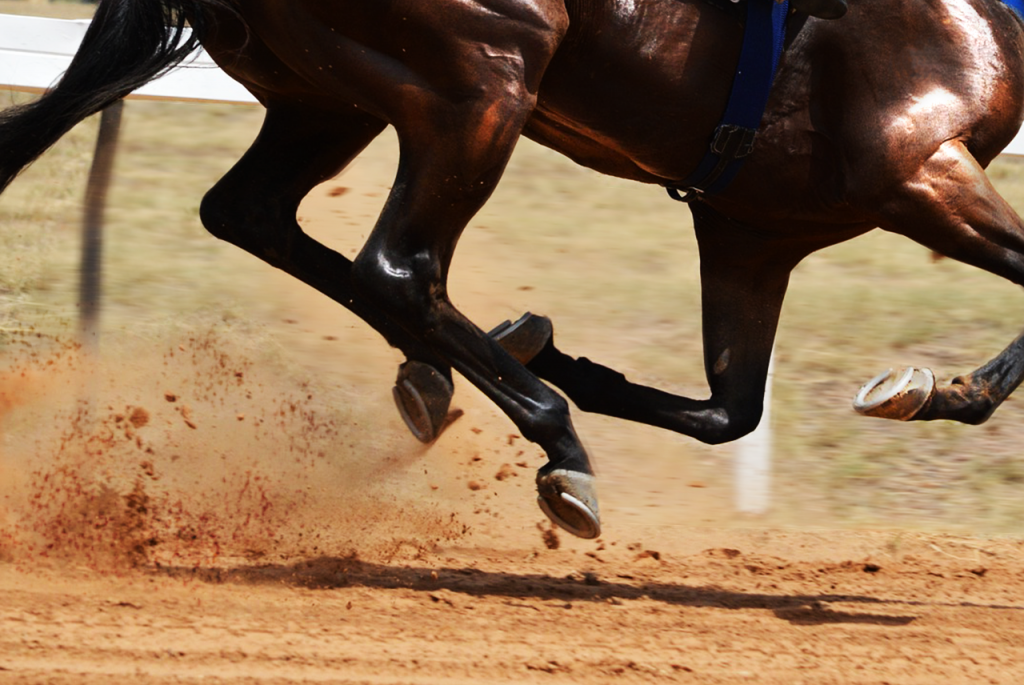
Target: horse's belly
638 95
587 148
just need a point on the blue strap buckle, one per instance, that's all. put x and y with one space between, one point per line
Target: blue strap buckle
763 41
733 142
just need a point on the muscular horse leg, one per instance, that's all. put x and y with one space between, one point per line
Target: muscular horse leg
254 207
744 279
453 151
950 207
404 267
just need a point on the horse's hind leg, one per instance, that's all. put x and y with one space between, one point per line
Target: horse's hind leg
254 207
950 207
454 149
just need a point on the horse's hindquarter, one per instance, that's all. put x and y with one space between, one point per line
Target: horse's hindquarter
393 59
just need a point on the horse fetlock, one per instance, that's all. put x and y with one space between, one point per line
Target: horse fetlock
409 291
547 423
963 401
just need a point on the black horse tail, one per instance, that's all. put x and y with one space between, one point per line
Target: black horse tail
128 44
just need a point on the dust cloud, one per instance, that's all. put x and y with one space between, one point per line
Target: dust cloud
196 450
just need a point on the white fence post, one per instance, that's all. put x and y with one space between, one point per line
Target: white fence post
35 51
752 460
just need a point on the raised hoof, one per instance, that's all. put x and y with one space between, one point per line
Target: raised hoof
423 395
569 499
898 395
525 338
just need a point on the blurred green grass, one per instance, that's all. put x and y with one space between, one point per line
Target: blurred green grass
615 265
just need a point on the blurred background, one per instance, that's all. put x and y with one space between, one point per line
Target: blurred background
614 264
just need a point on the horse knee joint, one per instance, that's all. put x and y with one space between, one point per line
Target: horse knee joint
548 422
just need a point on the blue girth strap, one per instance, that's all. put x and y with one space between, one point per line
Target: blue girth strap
763 38
1016 5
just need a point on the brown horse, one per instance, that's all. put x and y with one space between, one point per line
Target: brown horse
885 118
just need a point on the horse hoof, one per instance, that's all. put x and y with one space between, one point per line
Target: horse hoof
423 395
896 395
525 338
568 498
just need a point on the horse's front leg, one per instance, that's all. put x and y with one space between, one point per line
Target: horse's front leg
744 279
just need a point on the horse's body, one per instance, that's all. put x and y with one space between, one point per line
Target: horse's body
884 118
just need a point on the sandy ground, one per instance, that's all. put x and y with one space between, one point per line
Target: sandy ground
213 514
768 610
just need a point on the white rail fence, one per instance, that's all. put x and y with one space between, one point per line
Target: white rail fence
34 52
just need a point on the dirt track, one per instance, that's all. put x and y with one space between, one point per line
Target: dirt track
758 612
